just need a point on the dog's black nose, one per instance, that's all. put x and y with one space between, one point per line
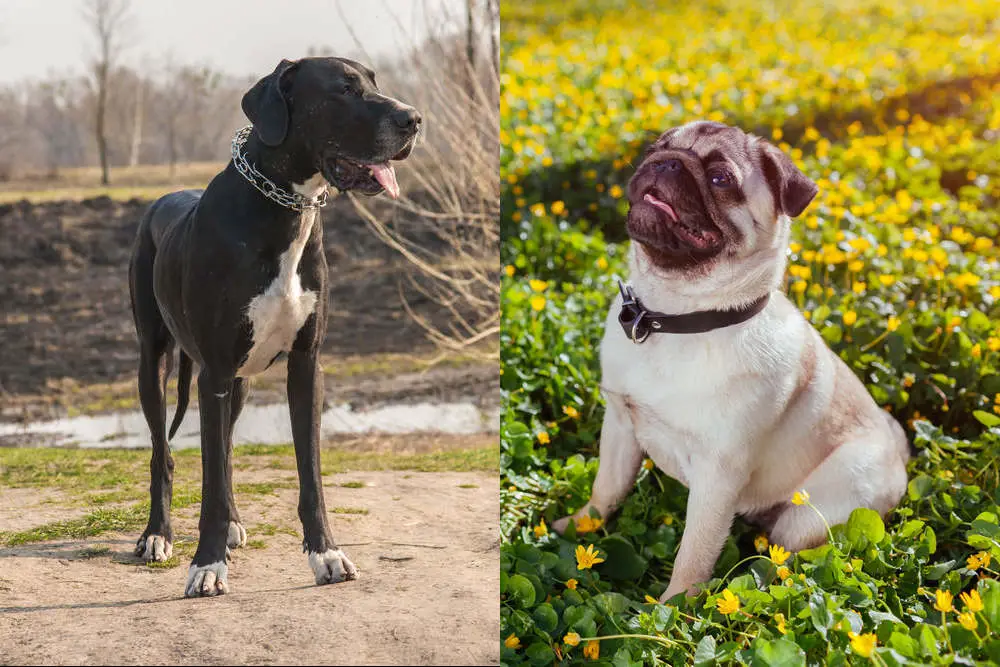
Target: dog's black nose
407 119
671 165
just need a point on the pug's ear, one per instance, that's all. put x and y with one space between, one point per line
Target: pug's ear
792 190
266 106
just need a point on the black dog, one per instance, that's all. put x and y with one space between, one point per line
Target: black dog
237 276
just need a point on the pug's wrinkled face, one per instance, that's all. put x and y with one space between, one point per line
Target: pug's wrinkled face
707 192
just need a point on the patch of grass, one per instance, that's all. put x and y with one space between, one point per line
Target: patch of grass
468 486
94 552
168 564
99 521
352 485
348 510
270 530
256 544
264 488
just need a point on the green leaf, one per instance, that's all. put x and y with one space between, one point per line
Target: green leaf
987 419
866 523
704 653
819 613
545 617
777 653
540 654
622 561
663 617
610 603
521 590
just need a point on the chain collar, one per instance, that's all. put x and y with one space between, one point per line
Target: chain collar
267 187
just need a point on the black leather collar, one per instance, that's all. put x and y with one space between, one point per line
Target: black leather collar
638 322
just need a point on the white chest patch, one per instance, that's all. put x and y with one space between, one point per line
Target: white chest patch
279 312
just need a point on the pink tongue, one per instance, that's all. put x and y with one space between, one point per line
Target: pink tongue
386 177
662 205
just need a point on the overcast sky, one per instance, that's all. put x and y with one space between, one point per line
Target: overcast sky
39 37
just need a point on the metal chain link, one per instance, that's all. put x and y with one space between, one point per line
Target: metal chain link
267 187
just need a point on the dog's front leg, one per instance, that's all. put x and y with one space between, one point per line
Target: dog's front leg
305 401
711 508
208 571
620 460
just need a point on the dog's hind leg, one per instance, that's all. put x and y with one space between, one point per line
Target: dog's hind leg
237 398
156 347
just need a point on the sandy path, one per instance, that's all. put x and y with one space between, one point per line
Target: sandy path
412 604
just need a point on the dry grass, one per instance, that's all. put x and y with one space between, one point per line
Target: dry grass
75 184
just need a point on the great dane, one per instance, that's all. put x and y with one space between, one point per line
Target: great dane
236 276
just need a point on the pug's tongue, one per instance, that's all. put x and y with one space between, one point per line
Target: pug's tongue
386 177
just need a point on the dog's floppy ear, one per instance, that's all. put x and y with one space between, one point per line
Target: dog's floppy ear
266 107
792 189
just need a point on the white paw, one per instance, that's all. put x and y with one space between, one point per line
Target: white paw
237 535
332 566
154 548
207 580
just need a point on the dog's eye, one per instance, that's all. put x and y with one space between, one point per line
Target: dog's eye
350 88
721 179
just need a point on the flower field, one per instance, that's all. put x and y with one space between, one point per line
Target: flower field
894 110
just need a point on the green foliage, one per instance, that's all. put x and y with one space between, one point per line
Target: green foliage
895 263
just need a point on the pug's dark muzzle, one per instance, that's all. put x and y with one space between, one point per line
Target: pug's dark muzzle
668 214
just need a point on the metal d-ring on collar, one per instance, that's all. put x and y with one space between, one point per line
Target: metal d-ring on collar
638 322
266 186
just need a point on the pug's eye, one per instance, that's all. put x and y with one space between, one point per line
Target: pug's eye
350 88
721 179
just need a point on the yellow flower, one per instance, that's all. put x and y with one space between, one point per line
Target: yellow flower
647 464
616 191
541 530
602 263
778 554
543 437
538 210
972 600
893 323
856 265
537 302
585 524
728 603
799 286
859 287
651 600
984 557
592 650
886 279
942 601
558 207
850 317
976 351
864 644
509 270
570 411
968 621
760 543
571 584
954 323
587 558
995 291
537 285
784 572
512 641
800 497
993 343
571 638
780 618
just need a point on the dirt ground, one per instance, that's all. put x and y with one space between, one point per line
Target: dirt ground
65 321
427 546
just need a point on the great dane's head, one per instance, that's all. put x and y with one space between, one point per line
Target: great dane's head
709 196
332 111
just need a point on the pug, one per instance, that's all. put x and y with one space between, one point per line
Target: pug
711 372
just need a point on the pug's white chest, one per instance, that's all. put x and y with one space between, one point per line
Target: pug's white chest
279 312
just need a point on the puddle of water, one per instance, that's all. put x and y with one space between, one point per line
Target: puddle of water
258 424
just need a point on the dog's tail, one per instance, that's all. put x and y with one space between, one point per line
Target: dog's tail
183 393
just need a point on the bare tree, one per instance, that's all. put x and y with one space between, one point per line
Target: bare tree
107 19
